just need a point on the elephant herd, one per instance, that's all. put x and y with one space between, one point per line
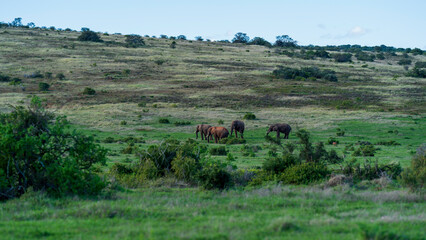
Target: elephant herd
209 132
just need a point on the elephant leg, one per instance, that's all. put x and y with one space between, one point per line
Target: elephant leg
215 138
241 133
236 135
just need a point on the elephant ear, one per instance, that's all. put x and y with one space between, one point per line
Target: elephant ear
275 128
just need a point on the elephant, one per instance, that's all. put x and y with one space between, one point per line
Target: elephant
280 127
218 133
238 126
202 128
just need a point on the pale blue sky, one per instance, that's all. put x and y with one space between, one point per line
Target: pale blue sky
327 22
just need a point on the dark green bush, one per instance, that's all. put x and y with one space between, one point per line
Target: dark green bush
39 154
304 173
119 169
365 150
370 171
214 176
305 72
404 62
109 140
420 64
89 91
182 123
87 35
278 165
60 76
260 41
164 120
342 57
134 41
42 86
388 143
415 176
417 72
363 56
219 151
340 132
4 78
249 116
185 168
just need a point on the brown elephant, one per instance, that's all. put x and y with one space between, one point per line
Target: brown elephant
280 127
218 133
238 126
202 128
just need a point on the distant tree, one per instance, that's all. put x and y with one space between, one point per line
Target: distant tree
260 41
31 25
17 22
417 51
173 44
52 28
181 37
163 36
88 35
134 41
224 41
285 41
172 38
322 54
199 38
147 36
240 38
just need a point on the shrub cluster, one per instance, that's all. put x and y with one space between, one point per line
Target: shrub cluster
164 120
249 116
134 41
89 91
232 140
415 176
88 35
342 57
40 154
219 151
370 170
305 72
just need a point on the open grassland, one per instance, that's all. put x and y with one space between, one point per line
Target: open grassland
277 212
208 82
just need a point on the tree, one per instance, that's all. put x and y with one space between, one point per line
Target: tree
17 22
31 25
260 41
38 153
199 38
285 41
181 37
240 38
134 41
88 35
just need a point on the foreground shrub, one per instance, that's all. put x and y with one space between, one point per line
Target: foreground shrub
185 168
36 153
231 141
214 176
370 170
279 164
415 176
304 173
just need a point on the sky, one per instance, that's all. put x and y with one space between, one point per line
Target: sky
319 22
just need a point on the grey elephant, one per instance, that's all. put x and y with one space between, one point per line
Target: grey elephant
280 128
238 126
203 129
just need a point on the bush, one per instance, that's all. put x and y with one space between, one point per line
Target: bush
36 74
340 132
305 72
182 123
4 78
134 41
36 153
365 150
417 72
279 164
219 151
87 35
89 91
260 41
304 173
249 116
362 56
370 171
342 57
388 143
415 176
60 76
420 64
214 176
109 140
404 62
164 120
42 86
185 168
119 169
173 45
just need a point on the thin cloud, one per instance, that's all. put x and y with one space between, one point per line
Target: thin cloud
355 32
321 26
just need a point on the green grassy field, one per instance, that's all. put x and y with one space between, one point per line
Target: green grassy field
205 82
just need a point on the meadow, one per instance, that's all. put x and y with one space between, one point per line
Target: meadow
212 82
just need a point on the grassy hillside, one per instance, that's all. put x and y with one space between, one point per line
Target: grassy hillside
215 83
